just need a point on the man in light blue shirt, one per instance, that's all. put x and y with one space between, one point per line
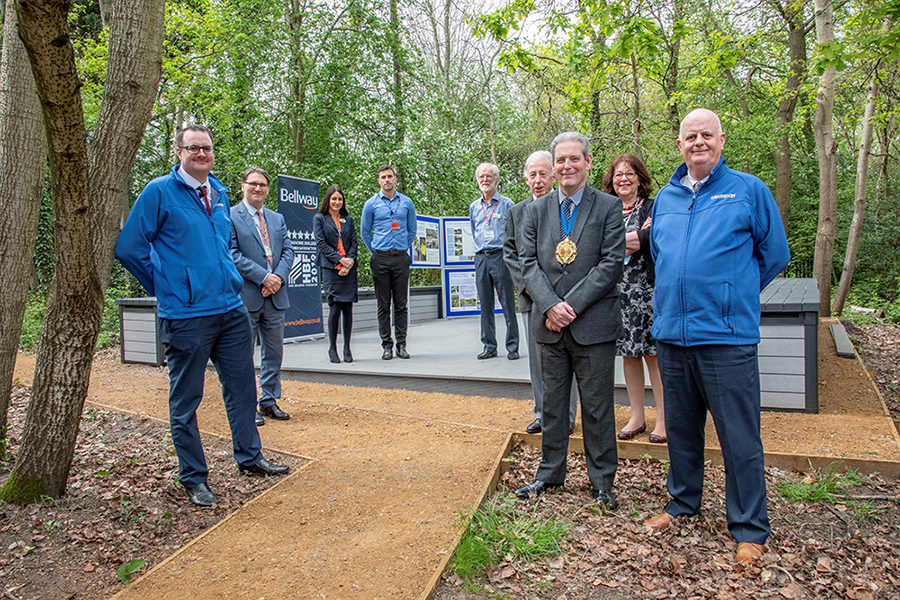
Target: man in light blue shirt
388 226
487 215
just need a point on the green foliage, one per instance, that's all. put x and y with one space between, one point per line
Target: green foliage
127 569
31 323
818 486
501 531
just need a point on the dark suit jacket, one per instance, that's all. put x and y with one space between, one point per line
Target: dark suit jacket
326 233
250 256
512 241
590 283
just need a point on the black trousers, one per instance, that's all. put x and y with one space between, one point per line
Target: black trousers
390 273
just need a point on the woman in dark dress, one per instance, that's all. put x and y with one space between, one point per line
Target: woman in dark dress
337 246
627 178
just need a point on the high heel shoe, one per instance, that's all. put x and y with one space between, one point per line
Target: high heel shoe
347 356
333 355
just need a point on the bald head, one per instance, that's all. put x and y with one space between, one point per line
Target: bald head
701 141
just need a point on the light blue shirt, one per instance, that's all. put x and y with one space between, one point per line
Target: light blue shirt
489 221
378 214
576 197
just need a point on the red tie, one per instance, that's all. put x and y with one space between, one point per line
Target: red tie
264 231
205 196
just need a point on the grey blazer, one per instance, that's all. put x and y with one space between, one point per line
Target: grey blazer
590 283
512 241
250 256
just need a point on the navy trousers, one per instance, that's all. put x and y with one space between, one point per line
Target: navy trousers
267 324
491 273
723 380
190 344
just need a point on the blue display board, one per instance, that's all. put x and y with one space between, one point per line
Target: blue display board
298 201
426 247
461 295
459 244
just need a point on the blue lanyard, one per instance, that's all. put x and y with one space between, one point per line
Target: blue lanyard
567 225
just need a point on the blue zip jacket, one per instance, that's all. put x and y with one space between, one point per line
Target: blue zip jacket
180 254
715 250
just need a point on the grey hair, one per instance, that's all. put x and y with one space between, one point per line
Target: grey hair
258 171
715 116
535 157
494 169
571 136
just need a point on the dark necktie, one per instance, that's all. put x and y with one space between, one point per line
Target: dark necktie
567 213
204 195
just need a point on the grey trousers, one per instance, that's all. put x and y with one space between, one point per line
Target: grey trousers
534 366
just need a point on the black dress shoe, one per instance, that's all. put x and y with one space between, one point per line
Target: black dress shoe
605 497
534 427
264 468
513 355
273 412
201 495
388 354
347 356
537 488
259 420
333 355
401 351
487 354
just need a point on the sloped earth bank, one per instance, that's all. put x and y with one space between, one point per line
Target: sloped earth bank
375 511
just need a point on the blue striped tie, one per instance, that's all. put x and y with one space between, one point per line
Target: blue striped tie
567 213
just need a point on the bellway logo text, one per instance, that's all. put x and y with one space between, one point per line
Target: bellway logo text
295 197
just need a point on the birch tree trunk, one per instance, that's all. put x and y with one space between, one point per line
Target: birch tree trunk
826 150
87 193
859 204
23 159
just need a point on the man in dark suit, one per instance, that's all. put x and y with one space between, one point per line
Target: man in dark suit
539 178
573 253
263 255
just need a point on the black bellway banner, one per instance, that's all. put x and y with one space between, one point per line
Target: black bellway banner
298 201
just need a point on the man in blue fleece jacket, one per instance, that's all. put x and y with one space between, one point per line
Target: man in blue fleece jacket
176 242
717 240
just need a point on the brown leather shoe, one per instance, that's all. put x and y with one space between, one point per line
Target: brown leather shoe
747 552
659 522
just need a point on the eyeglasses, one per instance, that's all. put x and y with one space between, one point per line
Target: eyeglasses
197 149
627 174
255 184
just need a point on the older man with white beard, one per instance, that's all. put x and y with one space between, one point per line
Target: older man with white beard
487 215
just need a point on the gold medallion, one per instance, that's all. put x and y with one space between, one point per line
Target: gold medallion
566 251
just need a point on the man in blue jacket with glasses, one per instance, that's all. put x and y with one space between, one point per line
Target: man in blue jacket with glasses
718 240
176 242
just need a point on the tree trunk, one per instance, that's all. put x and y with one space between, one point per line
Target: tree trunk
87 192
23 159
636 111
793 16
826 150
298 95
397 64
859 205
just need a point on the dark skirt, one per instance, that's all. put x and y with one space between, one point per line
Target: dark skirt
337 288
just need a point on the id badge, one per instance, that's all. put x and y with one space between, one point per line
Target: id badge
268 251
395 225
488 234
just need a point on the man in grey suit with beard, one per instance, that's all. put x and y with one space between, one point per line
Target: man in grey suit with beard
573 253
263 255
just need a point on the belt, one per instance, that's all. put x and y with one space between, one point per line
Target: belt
489 251
390 252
